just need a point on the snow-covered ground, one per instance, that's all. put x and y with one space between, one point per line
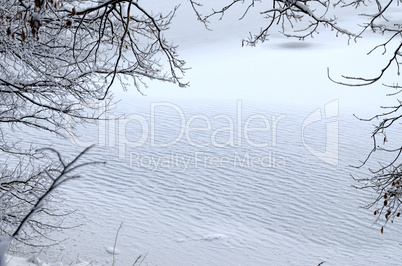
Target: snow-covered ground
34 261
197 201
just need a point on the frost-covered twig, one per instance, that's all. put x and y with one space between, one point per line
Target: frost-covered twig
115 243
64 174
286 15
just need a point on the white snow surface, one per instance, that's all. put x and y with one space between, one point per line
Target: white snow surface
178 212
35 261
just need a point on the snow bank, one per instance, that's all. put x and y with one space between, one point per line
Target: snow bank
35 261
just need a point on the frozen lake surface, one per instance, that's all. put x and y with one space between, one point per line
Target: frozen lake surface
250 165
265 200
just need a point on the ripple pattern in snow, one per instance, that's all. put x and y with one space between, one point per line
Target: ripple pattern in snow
193 209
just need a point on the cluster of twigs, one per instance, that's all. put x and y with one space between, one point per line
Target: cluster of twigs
23 200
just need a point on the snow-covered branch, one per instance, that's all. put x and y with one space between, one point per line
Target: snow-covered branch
58 58
30 198
294 18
